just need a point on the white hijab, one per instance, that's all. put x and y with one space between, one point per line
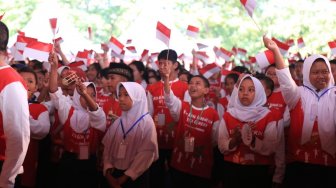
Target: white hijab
318 104
256 110
79 121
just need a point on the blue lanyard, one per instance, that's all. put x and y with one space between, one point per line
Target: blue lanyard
129 130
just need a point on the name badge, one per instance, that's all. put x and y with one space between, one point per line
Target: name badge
161 119
83 151
122 150
189 143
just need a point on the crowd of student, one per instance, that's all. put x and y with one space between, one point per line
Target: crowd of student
127 125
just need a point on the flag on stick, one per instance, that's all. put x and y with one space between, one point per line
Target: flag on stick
163 33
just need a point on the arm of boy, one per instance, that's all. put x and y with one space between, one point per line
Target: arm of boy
82 90
172 102
288 87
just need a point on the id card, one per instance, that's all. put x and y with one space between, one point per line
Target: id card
122 150
189 143
161 119
83 151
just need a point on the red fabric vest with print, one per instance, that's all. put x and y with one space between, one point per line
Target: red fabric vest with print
72 140
102 98
199 126
8 76
165 133
111 109
276 103
30 163
310 152
224 102
243 154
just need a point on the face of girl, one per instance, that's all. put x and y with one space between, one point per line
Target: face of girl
319 75
272 75
92 73
229 85
246 92
30 80
125 101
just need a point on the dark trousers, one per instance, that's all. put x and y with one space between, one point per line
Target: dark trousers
309 175
141 182
183 180
160 170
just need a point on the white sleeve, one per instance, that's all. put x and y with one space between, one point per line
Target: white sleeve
98 119
62 104
150 103
286 117
187 97
220 110
224 138
232 97
40 128
279 157
271 138
147 153
288 87
15 114
174 105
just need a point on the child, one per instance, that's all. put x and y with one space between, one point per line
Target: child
39 128
130 144
82 121
229 83
247 137
192 156
311 139
139 73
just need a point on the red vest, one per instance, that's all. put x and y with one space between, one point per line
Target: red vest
200 161
310 152
165 133
111 107
73 139
244 155
8 76
276 104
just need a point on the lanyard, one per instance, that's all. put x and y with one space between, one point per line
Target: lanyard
197 119
129 130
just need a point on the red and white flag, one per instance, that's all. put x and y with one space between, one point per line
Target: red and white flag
216 51
192 31
264 59
155 65
163 33
252 60
83 56
200 46
115 45
210 69
131 49
282 46
37 50
120 56
18 56
249 6
90 33
201 55
300 42
225 54
154 56
144 55
332 45
290 42
241 51
21 33
129 41
79 64
22 41
53 24
2 16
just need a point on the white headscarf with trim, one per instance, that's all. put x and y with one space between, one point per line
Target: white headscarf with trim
318 104
256 110
79 121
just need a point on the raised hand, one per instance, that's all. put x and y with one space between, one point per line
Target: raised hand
270 44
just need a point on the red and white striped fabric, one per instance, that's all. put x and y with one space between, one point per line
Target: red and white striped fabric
192 31
80 64
90 33
332 45
216 51
210 69
53 24
154 56
163 33
290 42
131 49
200 46
282 46
264 59
300 42
241 51
120 56
201 55
22 41
225 54
144 55
37 50
2 16
17 55
249 6
115 45
83 56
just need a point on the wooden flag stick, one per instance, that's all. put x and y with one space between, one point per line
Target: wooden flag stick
259 28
